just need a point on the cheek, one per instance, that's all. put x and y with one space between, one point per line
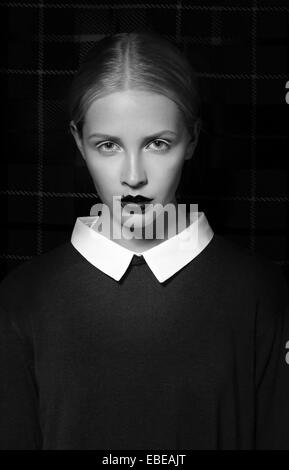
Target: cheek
102 173
167 170
172 176
173 179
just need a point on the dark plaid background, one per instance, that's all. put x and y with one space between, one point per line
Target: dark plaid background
240 50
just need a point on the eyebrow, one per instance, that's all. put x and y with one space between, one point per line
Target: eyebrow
111 137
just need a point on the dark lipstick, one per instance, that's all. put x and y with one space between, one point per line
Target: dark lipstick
140 200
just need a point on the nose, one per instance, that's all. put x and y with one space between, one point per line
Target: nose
133 172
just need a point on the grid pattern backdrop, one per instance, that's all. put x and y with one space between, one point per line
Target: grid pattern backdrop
240 51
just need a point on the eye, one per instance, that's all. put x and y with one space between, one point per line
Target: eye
107 147
160 145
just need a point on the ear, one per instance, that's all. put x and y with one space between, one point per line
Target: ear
191 146
77 138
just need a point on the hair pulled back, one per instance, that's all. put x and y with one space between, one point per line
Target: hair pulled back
142 61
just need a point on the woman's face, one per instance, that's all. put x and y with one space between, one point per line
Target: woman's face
135 142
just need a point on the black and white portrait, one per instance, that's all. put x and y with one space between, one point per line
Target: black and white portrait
144 301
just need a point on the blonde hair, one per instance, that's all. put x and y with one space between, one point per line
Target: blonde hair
138 61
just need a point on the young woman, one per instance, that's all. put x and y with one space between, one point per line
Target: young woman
146 330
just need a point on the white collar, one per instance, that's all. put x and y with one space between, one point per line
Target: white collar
164 259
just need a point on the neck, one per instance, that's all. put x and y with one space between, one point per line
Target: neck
141 244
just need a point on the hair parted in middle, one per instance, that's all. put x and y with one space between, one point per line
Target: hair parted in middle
143 61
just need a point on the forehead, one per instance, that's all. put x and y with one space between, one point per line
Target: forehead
131 109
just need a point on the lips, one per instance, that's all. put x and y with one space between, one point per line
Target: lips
129 202
135 200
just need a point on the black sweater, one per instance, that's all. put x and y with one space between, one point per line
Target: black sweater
198 362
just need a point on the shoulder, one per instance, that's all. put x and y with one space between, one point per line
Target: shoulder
238 265
34 277
45 263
